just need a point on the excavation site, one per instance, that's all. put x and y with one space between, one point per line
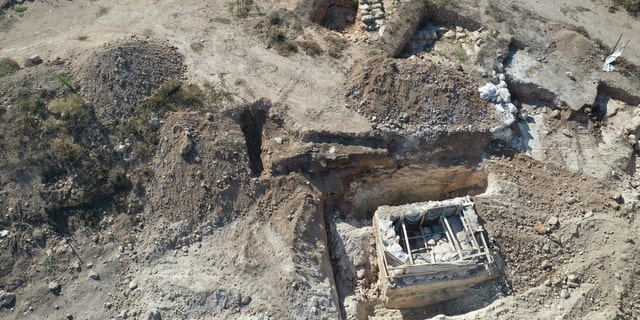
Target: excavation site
319 159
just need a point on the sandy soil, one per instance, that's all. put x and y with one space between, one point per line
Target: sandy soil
258 206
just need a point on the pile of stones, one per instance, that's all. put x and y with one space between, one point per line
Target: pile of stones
372 14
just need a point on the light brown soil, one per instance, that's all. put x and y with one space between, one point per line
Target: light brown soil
256 202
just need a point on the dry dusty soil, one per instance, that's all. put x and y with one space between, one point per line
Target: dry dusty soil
223 159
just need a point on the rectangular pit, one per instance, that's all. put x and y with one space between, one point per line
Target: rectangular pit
449 251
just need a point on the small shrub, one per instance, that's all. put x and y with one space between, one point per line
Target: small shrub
64 149
460 54
581 30
221 20
218 94
52 126
196 46
143 152
8 67
286 48
274 18
71 106
632 6
336 46
602 46
171 95
49 264
276 35
582 9
27 102
280 29
311 48
244 7
102 11
160 99
20 9
82 38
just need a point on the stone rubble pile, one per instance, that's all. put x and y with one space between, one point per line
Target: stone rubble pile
470 41
372 14
424 38
498 94
6 298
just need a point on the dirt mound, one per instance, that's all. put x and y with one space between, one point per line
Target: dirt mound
418 92
532 207
122 74
576 47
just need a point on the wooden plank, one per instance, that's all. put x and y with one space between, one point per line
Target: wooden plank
453 239
406 240
471 233
484 242
392 260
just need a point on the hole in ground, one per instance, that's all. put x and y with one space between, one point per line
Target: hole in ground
350 234
251 123
408 184
335 15
433 28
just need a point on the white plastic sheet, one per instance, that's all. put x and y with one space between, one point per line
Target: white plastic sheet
610 59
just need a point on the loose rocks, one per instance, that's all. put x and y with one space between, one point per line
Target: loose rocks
123 74
154 315
54 286
540 229
133 285
186 145
373 14
37 235
94 276
6 298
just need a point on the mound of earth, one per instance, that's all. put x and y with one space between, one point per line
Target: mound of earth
421 92
122 74
575 47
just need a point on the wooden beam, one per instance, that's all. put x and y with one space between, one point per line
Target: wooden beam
406 240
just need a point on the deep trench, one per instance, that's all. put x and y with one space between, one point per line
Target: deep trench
251 123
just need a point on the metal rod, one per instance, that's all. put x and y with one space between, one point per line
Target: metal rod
616 46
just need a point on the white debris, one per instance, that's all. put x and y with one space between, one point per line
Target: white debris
610 59
498 94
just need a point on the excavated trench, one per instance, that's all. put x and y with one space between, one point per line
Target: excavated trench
432 26
348 217
352 191
251 123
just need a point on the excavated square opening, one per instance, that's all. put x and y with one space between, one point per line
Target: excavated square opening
441 234
431 250
335 15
